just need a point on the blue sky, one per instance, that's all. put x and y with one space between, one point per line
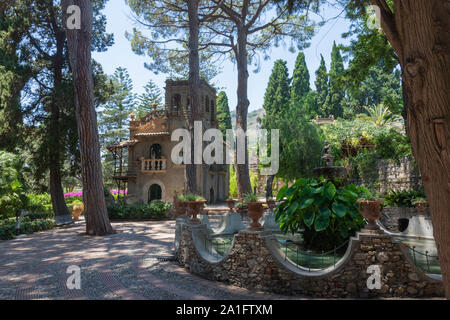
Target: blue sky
120 55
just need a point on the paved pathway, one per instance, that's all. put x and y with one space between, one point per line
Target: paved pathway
132 264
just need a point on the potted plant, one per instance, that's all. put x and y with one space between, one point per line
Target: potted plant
255 210
231 202
77 209
180 205
420 203
194 205
371 208
270 203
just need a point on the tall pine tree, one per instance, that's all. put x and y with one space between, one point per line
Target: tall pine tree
321 87
300 82
152 94
334 104
223 113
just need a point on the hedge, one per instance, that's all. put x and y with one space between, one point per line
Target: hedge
154 211
8 232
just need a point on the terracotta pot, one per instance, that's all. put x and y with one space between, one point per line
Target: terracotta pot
180 208
194 208
421 206
255 212
271 204
77 210
231 204
371 210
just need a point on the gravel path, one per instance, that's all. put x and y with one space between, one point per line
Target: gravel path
133 264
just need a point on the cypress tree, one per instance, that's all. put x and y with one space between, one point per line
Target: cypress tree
336 93
300 82
276 98
321 87
223 112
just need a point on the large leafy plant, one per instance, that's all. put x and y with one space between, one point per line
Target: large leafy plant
326 215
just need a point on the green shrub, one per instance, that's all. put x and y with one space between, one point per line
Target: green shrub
39 203
154 211
8 231
328 215
405 199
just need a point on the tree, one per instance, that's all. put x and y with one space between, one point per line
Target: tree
79 47
321 88
276 104
417 31
336 93
300 82
113 122
152 95
223 113
227 28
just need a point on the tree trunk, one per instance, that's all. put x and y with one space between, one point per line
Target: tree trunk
242 170
62 214
194 90
269 186
419 32
79 44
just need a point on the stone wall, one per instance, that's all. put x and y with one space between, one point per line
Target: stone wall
391 215
389 175
255 262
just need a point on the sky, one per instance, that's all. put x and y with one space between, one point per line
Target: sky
120 54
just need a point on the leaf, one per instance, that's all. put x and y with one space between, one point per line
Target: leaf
292 209
330 190
323 220
282 193
308 218
306 203
339 209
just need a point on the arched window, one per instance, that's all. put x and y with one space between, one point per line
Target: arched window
154 193
176 102
155 151
212 110
206 104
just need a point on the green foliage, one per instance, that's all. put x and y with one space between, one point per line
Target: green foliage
405 199
233 183
155 211
12 188
336 92
8 231
193 197
250 197
380 115
322 88
152 94
223 113
300 87
276 97
328 214
39 202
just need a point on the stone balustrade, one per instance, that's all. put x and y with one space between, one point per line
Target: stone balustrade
255 262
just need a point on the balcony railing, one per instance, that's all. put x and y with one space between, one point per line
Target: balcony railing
154 165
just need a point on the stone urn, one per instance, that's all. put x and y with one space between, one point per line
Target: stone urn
231 204
371 211
255 212
180 208
421 206
194 208
77 210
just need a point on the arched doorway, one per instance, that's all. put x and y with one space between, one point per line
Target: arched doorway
211 195
155 151
154 193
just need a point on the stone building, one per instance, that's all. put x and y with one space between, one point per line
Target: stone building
144 164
